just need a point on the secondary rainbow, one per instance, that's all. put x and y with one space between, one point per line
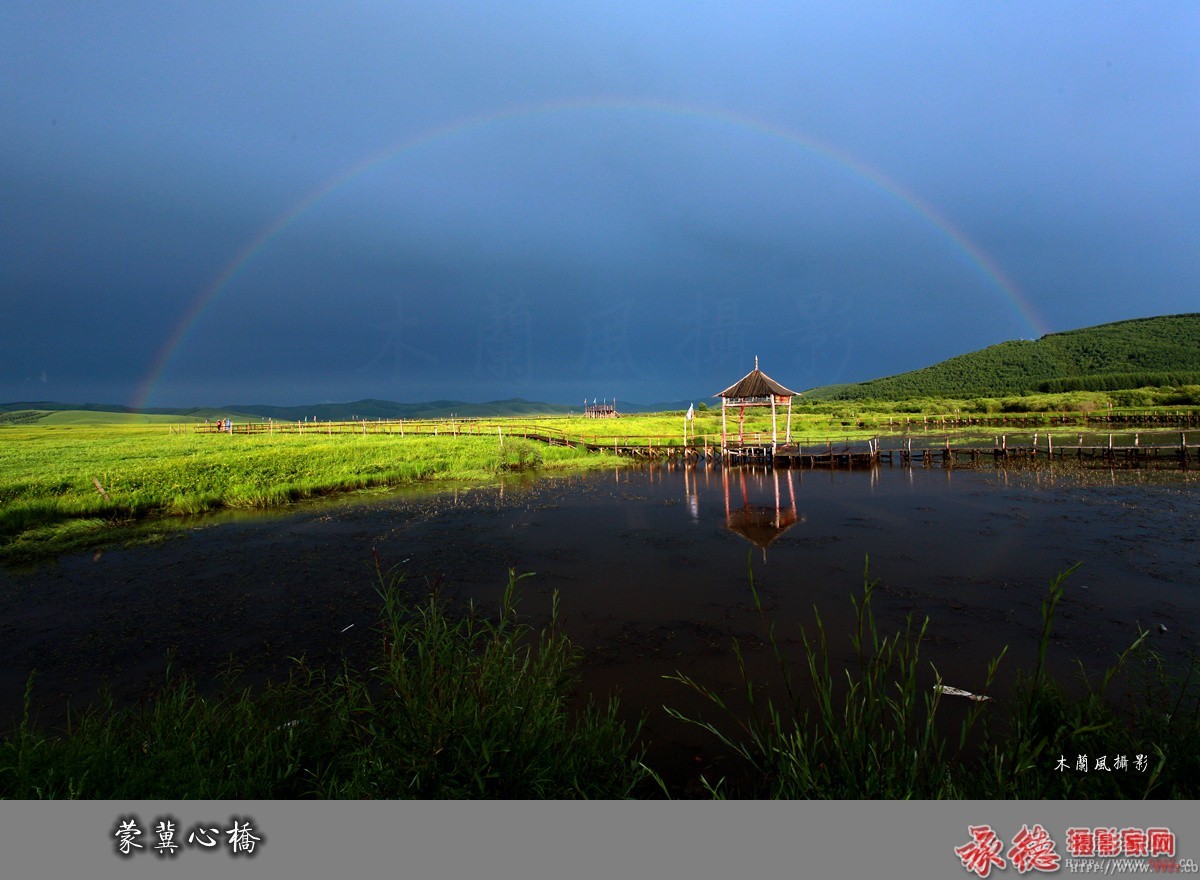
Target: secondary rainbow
268 233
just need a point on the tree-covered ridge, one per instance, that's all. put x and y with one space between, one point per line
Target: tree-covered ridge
1125 354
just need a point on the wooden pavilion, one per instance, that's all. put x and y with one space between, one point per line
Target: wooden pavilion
756 388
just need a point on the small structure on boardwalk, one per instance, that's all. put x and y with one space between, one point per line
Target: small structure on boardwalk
602 410
756 388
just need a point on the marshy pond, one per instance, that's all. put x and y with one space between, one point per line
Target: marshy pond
652 567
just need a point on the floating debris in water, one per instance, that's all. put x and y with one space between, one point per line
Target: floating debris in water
957 692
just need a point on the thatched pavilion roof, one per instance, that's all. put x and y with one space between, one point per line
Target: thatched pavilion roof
756 383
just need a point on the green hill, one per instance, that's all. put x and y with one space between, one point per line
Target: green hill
87 417
1125 354
46 412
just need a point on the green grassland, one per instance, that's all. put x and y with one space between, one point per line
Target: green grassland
1126 354
814 420
49 500
155 475
1165 401
152 470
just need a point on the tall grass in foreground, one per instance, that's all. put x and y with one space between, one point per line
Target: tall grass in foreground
875 734
457 707
474 706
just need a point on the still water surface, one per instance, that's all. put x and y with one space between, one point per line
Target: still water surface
652 571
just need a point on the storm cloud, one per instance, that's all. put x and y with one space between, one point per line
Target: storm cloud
279 203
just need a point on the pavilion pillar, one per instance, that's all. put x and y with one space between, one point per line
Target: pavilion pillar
789 422
724 405
774 433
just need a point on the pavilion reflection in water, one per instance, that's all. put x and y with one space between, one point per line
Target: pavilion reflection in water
760 524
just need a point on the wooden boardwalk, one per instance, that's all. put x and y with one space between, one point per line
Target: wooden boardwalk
755 449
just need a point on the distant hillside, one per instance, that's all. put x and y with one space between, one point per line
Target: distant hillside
70 414
1124 354
54 406
96 417
49 412
387 409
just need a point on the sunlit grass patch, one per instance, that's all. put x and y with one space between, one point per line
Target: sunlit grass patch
116 474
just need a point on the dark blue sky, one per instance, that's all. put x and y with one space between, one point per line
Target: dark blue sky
246 202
